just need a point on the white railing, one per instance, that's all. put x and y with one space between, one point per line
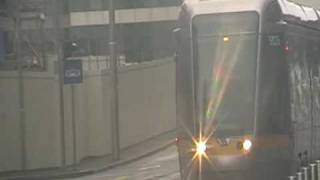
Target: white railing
309 172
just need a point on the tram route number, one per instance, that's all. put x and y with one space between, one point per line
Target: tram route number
274 40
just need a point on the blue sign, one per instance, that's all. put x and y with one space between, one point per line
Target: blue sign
2 47
73 73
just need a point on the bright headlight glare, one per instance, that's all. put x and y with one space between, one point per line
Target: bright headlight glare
247 144
201 148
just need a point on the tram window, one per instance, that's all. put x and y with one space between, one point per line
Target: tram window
226 24
299 81
312 54
316 83
225 60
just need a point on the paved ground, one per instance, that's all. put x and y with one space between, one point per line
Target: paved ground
161 166
158 145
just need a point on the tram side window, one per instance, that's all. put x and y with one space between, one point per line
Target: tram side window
273 97
299 80
313 54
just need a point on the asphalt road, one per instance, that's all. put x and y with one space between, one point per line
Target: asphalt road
160 166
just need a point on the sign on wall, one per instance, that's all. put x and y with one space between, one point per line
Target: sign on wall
73 73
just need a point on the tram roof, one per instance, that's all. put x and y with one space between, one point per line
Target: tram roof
198 7
291 11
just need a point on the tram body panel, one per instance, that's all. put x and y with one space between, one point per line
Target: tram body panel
248 80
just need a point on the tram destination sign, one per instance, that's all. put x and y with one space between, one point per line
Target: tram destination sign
73 73
274 40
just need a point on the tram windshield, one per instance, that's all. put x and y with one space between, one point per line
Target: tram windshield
225 51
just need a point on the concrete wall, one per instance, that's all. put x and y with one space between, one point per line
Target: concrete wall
42 122
147 109
147 102
10 143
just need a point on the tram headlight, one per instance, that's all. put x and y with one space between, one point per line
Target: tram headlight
201 148
247 145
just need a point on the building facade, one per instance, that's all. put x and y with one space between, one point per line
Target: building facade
143 27
28 33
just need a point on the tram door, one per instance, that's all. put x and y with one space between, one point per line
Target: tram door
301 96
313 53
273 114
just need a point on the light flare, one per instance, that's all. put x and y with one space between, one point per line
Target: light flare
247 144
219 88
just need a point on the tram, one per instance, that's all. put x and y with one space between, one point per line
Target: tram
248 88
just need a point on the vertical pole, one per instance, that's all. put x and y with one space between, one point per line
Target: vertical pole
43 40
292 177
21 87
114 78
60 55
299 175
89 55
313 171
74 127
318 168
305 173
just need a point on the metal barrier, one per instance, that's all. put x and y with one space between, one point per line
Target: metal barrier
313 171
292 177
310 172
299 175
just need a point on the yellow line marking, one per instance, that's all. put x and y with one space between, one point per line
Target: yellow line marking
122 178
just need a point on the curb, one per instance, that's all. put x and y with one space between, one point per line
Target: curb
85 172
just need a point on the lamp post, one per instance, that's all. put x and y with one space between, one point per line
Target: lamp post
114 79
22 114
